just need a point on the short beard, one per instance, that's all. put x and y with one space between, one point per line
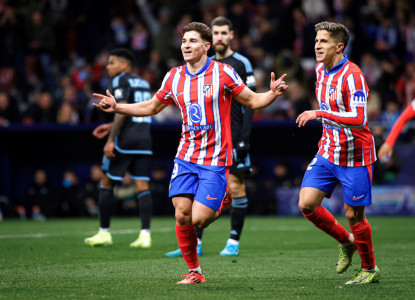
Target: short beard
222 52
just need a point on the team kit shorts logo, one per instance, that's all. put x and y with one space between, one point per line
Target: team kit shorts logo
358 99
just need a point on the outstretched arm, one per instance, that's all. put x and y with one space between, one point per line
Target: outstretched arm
386 149
260 100
140 109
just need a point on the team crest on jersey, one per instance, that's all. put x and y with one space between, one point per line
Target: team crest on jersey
118 93
333 94
208 90
358 99
195 113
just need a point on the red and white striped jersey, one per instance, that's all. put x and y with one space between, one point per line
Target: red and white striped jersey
342 94
204 100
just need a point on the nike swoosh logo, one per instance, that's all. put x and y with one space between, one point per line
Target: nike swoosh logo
357 198
210 198
187 253
177 95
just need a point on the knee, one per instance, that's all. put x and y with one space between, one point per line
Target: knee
306 204
237 189
202 224
354 216
305 208
183 216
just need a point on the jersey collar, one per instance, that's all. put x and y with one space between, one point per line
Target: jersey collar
208 60
338 66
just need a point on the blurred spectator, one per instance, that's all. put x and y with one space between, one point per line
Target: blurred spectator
9 112
370 68
38 200
140 42
298 96
42 111
162 31
385 172
92 191
120 32
70 196
39 46
282 176
67 114
405 85
390 115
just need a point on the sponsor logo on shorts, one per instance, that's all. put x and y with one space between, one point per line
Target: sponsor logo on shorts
357 198
211 198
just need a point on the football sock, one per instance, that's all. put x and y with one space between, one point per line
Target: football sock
197 270
145 231
106 206
324 220
145 208
104 230
232 242
199 232
186 236
363 238
238 212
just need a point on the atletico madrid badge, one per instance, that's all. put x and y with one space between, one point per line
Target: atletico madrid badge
333 94
208 90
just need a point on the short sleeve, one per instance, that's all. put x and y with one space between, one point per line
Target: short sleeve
164 94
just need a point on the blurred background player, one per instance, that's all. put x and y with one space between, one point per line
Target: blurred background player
386 150
346 151
203 90
128 148
241 125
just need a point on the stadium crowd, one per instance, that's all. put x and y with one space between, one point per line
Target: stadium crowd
54 52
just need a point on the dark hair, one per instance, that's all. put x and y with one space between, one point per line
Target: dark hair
221 21
124 53
337 31
202 29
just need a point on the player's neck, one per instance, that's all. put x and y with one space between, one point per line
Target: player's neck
194 68
333 62
220 56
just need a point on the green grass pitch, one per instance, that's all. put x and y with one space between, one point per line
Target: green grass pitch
280 258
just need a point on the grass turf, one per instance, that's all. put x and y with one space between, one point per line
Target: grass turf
280 258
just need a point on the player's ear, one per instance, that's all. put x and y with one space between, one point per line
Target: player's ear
231 34
340 47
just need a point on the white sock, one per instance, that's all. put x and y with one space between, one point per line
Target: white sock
199 241
104 230
197 270
233 242
145 231
351 238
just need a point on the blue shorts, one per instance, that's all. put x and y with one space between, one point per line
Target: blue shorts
206 183
356 181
